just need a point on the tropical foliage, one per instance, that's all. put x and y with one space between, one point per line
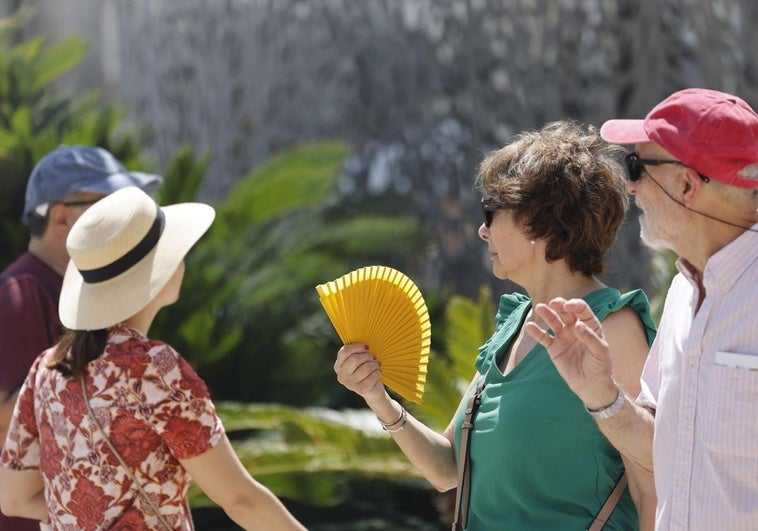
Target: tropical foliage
249 313
244 319
468 323
309 455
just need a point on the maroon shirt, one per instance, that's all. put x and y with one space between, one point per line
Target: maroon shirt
29 324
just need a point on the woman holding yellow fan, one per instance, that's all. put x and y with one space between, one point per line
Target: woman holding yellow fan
522 449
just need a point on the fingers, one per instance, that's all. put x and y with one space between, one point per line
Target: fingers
574 310
356 368
569 321
582 312
538 334
597 346
551 317
348 350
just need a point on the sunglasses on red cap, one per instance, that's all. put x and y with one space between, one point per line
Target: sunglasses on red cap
636 165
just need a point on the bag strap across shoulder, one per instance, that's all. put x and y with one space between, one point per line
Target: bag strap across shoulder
126 467
463 492
610 503
464 466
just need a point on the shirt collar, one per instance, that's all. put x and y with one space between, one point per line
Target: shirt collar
726 266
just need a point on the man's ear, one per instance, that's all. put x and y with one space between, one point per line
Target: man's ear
59 219
690 187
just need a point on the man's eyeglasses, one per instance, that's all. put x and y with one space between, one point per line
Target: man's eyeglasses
43 209
86 202
489 207
636 165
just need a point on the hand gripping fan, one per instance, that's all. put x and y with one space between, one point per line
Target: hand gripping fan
383 308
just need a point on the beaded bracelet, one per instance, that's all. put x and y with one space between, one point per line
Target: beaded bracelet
402 419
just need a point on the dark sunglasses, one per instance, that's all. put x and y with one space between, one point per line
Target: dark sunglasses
635 166
489 207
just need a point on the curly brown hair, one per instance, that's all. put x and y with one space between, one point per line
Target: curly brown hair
564 185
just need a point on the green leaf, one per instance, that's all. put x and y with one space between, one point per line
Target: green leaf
21 123
307 455
29 50
58 59
183 177
296 178
468 324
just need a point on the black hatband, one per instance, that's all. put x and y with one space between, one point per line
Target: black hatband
137 253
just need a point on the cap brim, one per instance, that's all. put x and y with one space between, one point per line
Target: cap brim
147 182
624 132
86 306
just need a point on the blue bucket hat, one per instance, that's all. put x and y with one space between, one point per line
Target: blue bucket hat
71 169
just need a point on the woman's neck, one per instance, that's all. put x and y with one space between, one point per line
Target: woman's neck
558 281
143 320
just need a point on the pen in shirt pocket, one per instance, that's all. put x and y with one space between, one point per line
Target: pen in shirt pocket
736 360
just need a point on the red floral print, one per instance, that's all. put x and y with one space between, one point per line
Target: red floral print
25 406
133 439
153 407
185 437
131 520
191 381
50 453
88 503
72 396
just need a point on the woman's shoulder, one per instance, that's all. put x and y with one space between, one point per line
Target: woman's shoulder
130 350
629 311
510 302
607 300
617 309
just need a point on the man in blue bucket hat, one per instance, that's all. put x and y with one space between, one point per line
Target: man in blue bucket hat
63 184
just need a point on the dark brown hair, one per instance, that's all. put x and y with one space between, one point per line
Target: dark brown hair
38 224
76 349
565 185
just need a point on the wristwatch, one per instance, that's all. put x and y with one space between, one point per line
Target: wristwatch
608 411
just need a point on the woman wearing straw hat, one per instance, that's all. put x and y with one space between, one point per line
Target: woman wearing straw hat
110 426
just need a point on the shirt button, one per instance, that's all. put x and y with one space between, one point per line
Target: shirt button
691 362
682 483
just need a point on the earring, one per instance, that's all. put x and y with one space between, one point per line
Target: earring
533 242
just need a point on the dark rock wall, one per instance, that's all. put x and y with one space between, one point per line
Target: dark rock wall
422 88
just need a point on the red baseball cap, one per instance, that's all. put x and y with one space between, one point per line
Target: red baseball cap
713 132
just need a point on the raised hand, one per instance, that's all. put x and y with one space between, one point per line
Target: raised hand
578 349
359 370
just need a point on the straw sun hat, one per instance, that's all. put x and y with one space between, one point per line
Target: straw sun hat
124 249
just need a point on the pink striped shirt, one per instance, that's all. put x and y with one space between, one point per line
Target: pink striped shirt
702 379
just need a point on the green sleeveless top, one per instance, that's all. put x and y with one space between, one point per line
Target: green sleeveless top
538 460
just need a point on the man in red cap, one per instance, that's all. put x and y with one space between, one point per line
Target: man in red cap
694 174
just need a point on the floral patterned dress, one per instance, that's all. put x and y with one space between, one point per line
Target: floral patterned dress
153 407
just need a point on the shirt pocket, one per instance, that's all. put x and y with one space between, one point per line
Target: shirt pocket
729 424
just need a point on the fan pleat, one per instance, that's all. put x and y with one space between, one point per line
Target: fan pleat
382 307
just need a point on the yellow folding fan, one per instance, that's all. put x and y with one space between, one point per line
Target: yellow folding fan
383 308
